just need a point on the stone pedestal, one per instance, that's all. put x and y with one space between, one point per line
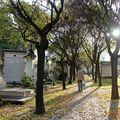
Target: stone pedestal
16 94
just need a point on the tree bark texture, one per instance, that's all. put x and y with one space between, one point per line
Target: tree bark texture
93 75
99 74
40 109
114 92
63 75
96 72
70 79
74 71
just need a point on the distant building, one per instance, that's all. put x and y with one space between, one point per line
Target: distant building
106 69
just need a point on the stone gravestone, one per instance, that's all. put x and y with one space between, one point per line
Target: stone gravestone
14 66
13 70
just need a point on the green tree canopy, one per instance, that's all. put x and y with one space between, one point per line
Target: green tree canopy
9 37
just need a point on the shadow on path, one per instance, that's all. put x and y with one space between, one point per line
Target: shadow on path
64 98
59 89
72 100
82 99
113 112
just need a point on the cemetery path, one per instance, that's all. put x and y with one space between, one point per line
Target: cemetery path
92 104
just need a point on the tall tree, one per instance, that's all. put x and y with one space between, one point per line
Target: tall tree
32 23
100 46
77 33
70 35
106 19
94 46
58 48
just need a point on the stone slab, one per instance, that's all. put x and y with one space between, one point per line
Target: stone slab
17 99
16 92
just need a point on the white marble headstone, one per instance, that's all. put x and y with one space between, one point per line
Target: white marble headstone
14 66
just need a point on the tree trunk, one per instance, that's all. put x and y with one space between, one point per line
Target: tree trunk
98 66
40 109
71 72
63 75
39 83
96 73
93 75
114 92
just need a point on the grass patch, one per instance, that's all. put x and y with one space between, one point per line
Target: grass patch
55 99
106 83
50 102
7 118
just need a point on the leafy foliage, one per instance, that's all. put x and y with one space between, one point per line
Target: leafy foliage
9 37
26 81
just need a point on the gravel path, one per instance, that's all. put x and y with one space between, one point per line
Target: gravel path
90 105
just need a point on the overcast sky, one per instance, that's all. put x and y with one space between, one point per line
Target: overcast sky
30 1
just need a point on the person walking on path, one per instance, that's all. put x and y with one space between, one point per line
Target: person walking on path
80 78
